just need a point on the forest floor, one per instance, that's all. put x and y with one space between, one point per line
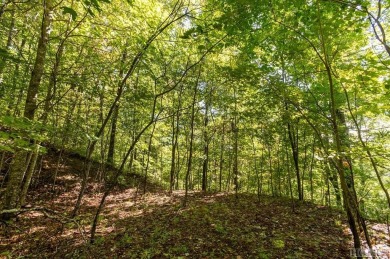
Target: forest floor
155 225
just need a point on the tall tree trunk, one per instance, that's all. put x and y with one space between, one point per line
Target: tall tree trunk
295 151
175 137
111 146
229 176
289 175
221 161
205 148
37 72
29 174
304 164
270 182
311 173
235 146
148 157
256 168
173 157
192 125
350 202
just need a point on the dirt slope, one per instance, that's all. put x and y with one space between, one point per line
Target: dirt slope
156 226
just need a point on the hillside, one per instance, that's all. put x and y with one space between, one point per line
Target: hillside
155 225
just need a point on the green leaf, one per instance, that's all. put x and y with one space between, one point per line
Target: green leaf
188 33
4 54
201 47
6 148
68 10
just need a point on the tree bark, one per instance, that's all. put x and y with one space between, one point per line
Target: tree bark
148 157
37 72
29 174
221 161
205 148
295 151
175 138
192 124
111 146
13 192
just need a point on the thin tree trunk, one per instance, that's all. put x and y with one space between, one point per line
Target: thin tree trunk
289 178
270 183
2 160
367 149
148 157
260 183
173 157
235 146
304 164
189 162
175 137
311 173
256 169
58 165
350 202
295 152
29 174
205 149
228 180
221 156
111 147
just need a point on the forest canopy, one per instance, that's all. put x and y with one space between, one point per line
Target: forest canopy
284 98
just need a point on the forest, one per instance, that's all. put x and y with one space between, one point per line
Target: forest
194 128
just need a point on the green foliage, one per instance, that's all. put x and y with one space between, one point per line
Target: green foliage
258 66
20 133
68 10
91 5
5 55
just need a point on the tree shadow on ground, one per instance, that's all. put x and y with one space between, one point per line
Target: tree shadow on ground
222 226
212 226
